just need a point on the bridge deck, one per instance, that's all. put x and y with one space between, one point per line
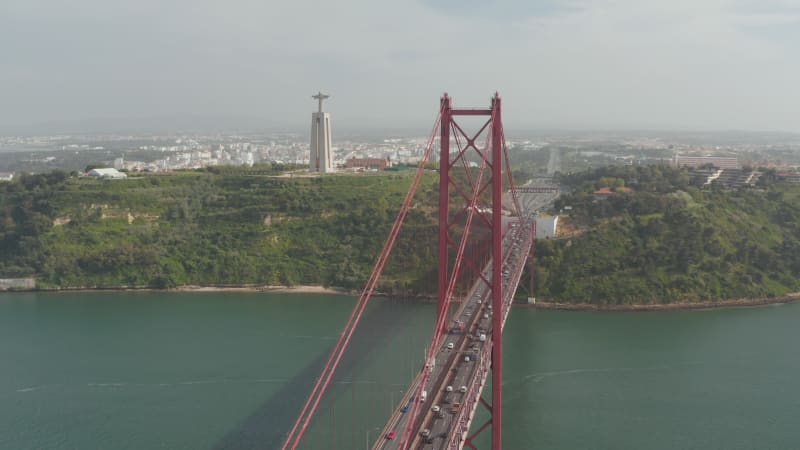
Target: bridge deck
460 372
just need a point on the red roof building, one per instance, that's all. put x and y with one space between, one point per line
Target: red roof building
606 191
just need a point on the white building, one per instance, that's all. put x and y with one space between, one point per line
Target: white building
321 155
107 174
546 227
6 176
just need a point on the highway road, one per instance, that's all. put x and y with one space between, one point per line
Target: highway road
533 202
554 163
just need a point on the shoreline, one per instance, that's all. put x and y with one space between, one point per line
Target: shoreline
299 289
542 305
731 303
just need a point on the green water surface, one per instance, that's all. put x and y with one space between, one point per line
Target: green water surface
230 371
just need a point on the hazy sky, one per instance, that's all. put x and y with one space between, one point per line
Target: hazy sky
665 64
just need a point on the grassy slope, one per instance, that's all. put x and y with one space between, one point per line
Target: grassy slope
203 228
667 242
687 245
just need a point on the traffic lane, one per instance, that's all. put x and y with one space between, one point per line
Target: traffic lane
441 358
397 427
445 359
401 424
397 421
455 400
434 397
435 420
441 423
438 422
472 324
421 411
466 371
439 431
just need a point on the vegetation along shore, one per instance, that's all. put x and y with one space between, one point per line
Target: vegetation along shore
663 240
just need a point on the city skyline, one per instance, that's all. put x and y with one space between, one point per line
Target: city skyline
608 64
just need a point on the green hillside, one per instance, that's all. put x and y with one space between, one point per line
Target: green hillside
233 226
666 241
669 241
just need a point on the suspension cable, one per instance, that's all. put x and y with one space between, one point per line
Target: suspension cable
320 386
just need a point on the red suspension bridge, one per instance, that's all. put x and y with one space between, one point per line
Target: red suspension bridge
479 210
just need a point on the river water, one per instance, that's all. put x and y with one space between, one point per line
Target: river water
215 371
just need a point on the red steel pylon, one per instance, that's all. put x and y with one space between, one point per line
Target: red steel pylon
467 191
462 161
464 180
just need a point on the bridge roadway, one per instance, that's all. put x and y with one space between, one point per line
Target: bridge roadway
537 195
460 372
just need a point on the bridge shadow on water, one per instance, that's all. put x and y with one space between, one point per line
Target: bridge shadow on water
267 425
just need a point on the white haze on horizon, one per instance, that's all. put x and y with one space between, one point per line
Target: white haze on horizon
575 64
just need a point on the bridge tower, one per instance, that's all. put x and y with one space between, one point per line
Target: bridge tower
456 164
473 181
